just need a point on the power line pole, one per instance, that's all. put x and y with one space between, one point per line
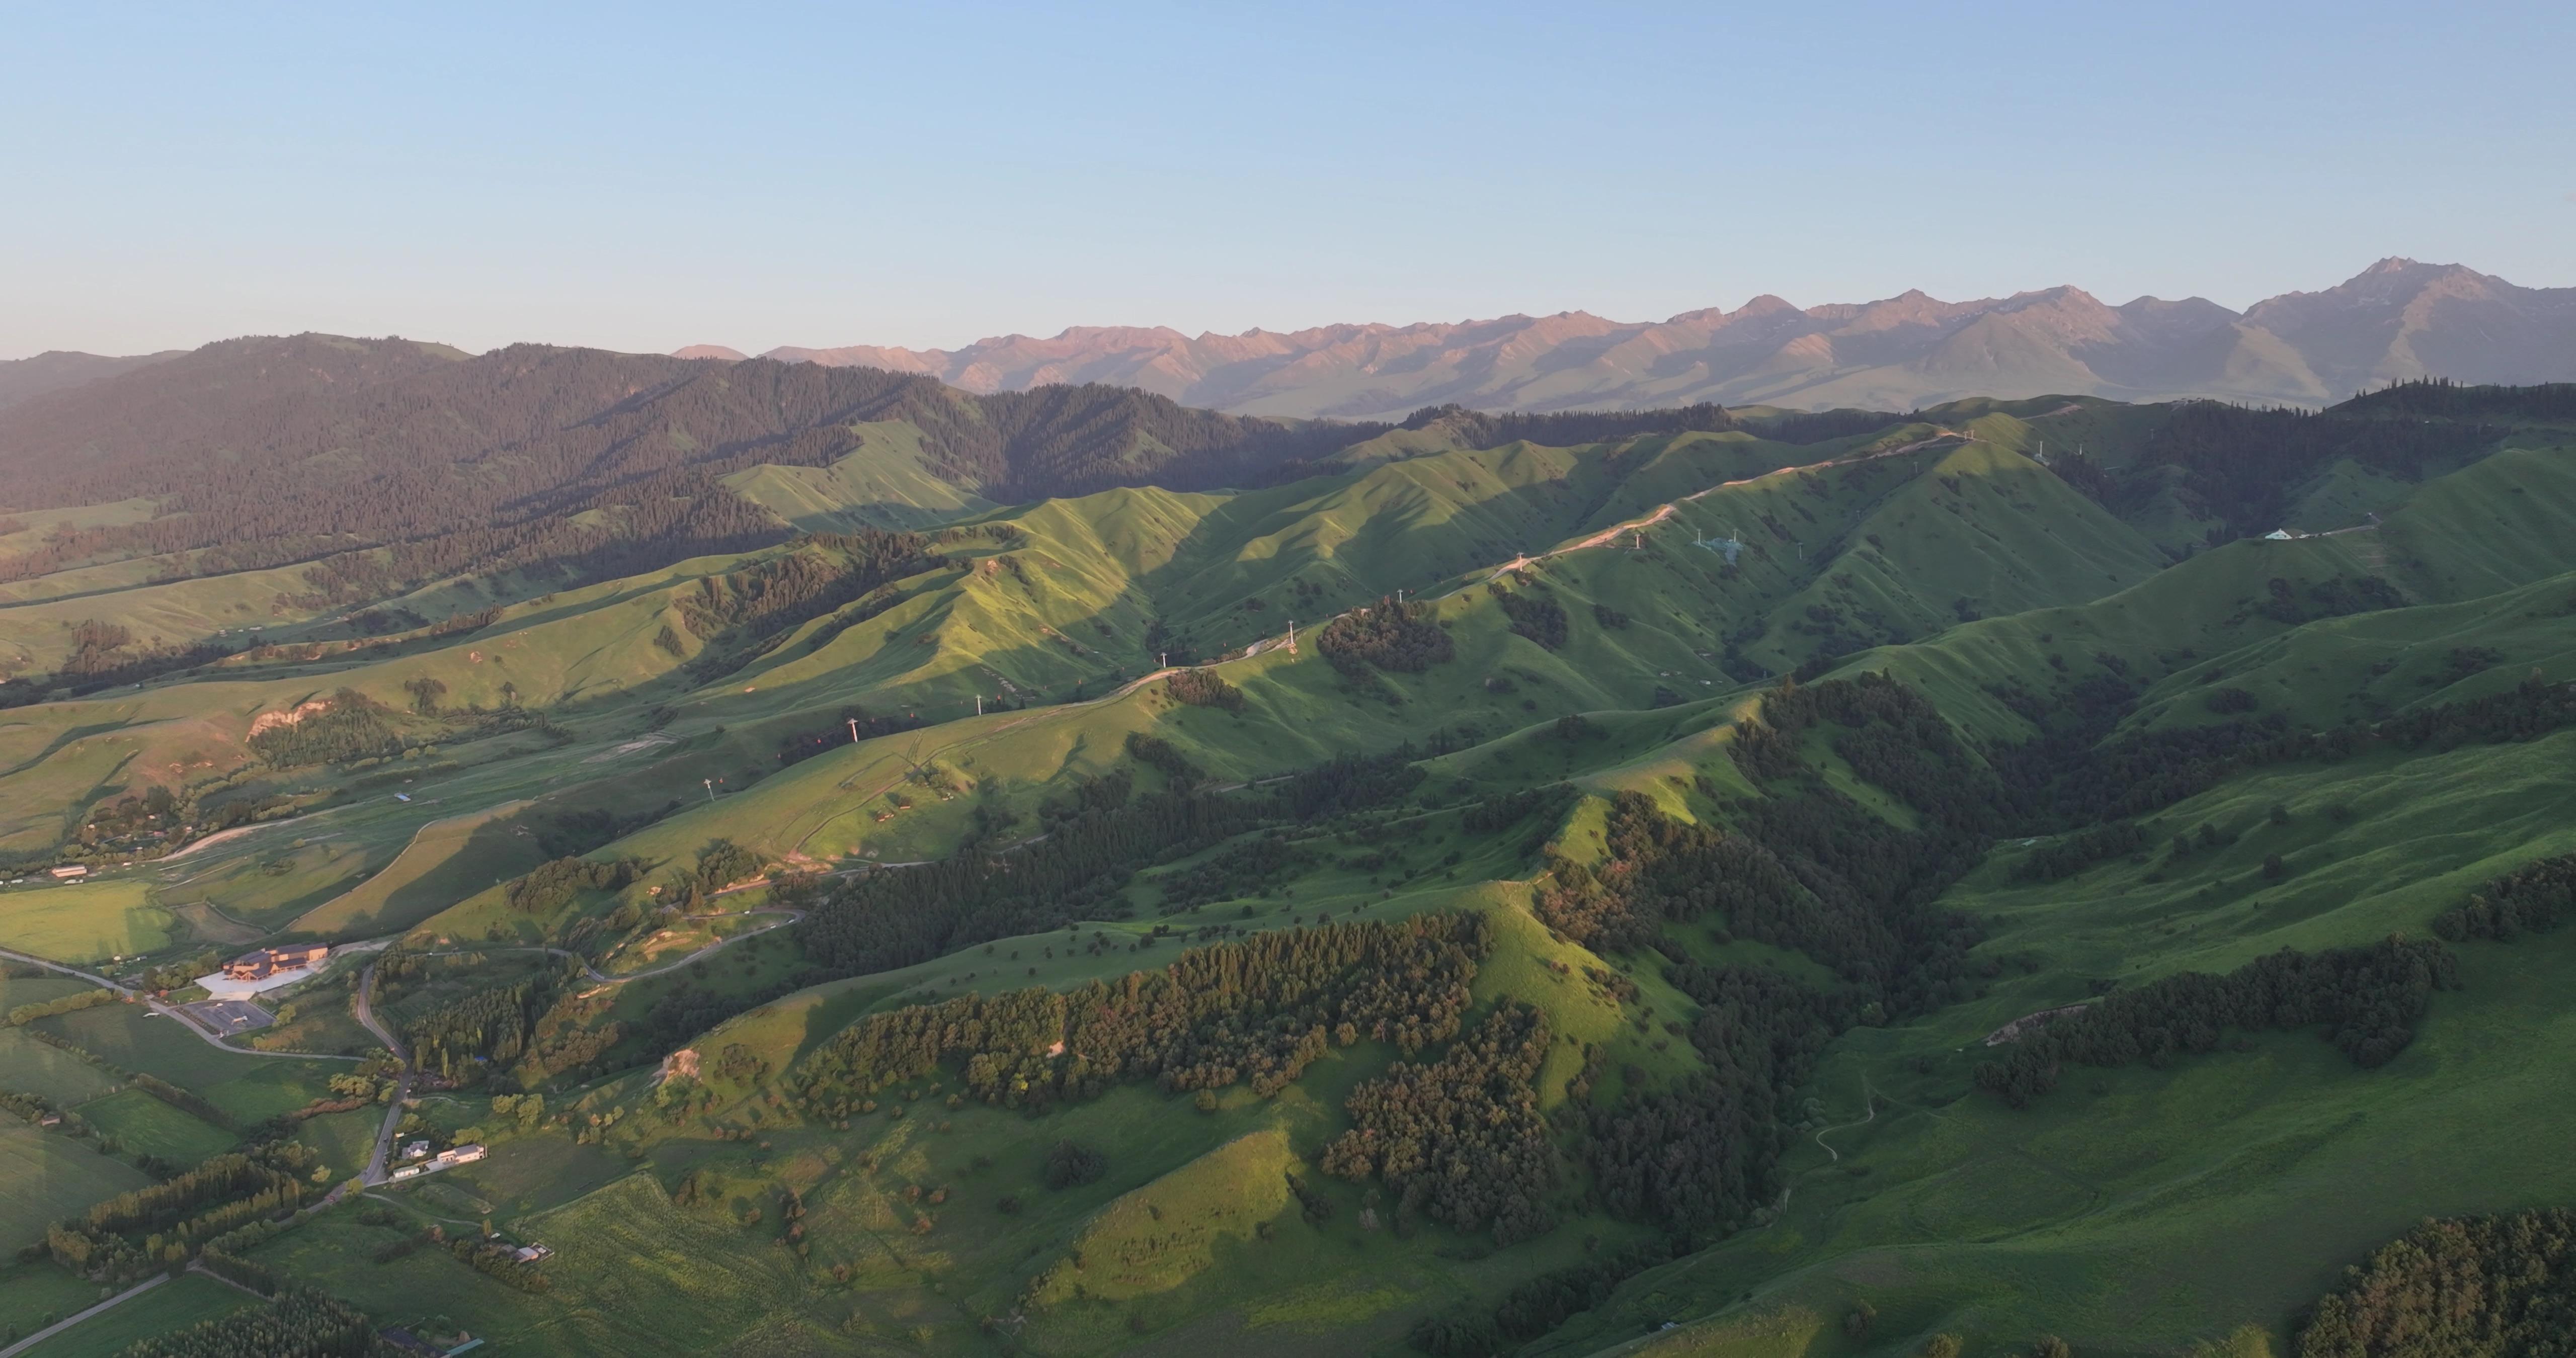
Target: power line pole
979 704
854 730
711 788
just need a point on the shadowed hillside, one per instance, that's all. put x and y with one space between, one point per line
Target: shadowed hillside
1691 882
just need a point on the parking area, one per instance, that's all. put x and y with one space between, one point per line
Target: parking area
229 1016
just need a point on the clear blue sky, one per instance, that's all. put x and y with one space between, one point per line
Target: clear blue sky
646 176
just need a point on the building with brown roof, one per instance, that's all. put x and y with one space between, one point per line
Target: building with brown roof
263 963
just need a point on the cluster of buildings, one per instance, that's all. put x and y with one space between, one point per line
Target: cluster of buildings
260 964
447 1159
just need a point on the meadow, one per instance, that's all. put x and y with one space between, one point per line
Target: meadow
28 1066
143 1125
31 1293
174 1305
245 1087
45 1176
83 922
1592 629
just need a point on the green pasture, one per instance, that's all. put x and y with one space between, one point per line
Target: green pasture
142 1124
46 1176
31 1291
82 922
2133 1211
175 1305
246 1087
445 862
38 988
28 1066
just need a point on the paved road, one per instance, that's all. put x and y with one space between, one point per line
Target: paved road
50 1331
376 1161
170 1012
604 978
375 1171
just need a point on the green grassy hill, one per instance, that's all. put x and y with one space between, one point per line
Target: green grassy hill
1620 942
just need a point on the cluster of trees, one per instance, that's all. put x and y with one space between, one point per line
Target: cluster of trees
349 726
570 1041
1070 1164
152 811
1356 782
1098 837
2238 464
104 656
185 1100
1503 810
721 863
28 1106
2367 1000
1890 734
897 917
1565 429
882 598
2089 479
1249 867
2528 900
2467 1287
2446 399
553 885
492 1025
688 1011
1538 1305
532 456
1807 868
747 610
1461 1139
297 1323
569 834
1534 616
2073 854
218 1259
1257 1011
1790 426
1704 1155
29 1013
1387 635
2072 776
145 1229
1154 752
1203 688
496 1259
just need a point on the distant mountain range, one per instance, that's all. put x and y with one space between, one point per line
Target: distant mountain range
2397 319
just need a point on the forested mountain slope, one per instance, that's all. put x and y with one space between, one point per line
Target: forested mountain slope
55 369
1717 884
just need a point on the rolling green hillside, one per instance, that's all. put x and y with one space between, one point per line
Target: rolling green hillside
1683 891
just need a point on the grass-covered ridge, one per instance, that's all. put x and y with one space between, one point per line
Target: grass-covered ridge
1827 893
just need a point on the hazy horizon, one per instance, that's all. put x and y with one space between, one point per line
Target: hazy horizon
643 180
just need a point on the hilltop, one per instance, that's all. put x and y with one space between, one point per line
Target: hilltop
55 369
